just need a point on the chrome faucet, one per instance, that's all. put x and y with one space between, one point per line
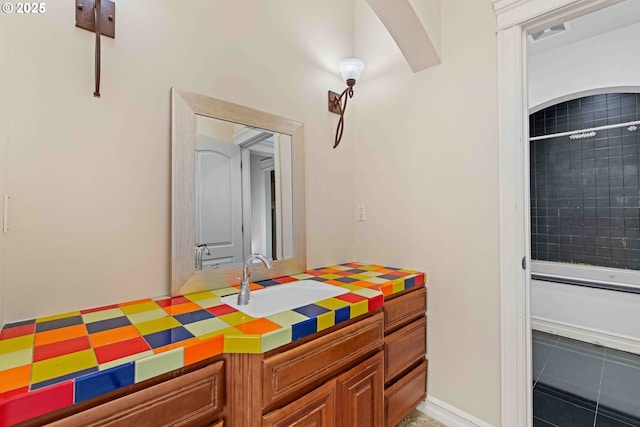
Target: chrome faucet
199 250
243 296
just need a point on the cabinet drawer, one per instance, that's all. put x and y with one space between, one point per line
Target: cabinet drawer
403 396
301 367
191 399
401 310
317 408
404 348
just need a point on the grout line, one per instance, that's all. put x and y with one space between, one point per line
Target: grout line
545 421
547 361
576 405
543 366
633 360
595 417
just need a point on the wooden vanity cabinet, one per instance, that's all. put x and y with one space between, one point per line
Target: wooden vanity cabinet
333 380
405 347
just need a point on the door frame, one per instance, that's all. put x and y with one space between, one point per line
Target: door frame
514 19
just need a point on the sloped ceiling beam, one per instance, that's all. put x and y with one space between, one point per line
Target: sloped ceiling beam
410 32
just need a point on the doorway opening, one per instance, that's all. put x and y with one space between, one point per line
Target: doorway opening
515 20
584 219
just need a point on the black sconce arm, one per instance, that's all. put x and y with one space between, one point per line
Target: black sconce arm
336 106
98 10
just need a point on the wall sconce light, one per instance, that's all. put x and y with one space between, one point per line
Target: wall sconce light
351 68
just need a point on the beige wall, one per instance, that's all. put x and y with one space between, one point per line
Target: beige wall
5 31
426 165
90 178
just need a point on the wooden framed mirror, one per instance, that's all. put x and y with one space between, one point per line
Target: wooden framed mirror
202 216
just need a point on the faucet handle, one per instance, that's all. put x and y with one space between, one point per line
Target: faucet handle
199 248
203 246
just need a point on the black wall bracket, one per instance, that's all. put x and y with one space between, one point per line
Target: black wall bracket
99 17
85 17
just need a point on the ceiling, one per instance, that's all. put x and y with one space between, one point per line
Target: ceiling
590 25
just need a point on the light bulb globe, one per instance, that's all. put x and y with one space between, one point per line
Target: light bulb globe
351 68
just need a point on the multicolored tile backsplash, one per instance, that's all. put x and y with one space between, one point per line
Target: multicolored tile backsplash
52 362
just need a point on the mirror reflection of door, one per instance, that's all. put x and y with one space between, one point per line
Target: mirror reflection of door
259 156
218 201
268 185
243 186
272 201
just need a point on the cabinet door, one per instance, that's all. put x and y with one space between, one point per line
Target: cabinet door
360 393
315 409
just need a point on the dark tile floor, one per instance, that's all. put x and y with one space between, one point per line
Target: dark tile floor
580 384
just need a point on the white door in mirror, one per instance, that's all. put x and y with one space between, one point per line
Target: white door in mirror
218 202
277 298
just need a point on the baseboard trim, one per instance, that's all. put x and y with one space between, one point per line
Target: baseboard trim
596 336
449 415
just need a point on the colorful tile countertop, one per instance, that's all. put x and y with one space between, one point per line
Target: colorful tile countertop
56 361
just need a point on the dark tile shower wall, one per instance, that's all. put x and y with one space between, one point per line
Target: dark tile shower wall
585 193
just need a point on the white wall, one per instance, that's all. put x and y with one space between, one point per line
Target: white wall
603 61
608 60
90 178
427 169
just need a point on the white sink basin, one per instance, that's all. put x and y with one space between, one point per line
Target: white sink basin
277 298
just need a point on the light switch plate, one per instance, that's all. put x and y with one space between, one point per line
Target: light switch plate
361 212
5 213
